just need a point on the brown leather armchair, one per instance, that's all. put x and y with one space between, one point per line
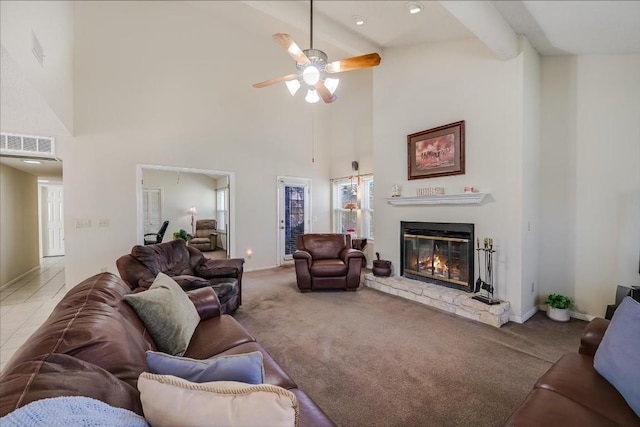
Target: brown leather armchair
327 261
206 235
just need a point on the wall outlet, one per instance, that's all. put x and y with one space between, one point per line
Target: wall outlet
103 222
103 269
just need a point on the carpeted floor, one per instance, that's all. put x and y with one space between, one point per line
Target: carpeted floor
372 359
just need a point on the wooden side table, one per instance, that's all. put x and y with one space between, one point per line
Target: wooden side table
360 244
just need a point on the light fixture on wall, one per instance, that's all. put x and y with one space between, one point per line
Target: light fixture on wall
414 8
193 212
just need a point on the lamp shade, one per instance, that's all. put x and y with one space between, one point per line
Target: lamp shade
192 210
351 206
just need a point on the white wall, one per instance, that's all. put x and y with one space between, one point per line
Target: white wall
52 23
422 87
591 141
180 191
18 223
530 163
158 83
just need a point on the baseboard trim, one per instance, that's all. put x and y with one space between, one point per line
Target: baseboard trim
12 281
524 317
574 314
248 270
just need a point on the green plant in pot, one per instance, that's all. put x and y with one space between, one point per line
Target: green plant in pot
182 234
558 307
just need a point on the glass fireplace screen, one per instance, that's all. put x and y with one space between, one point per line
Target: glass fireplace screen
440 258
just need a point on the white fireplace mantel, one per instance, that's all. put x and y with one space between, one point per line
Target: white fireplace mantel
440 199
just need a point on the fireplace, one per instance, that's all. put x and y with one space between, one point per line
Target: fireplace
438 252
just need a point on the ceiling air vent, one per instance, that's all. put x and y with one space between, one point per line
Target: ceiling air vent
27 145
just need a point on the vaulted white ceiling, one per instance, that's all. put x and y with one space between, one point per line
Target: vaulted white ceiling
553 27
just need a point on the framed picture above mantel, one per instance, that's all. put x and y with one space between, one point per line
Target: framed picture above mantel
436 152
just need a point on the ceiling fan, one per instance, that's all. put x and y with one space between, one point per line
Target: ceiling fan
314 70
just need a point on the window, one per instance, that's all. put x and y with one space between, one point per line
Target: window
151 209
367 207
360 192
221 208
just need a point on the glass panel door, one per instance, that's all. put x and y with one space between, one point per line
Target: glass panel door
293 214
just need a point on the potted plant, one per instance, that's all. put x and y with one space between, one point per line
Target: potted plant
182 234
558 307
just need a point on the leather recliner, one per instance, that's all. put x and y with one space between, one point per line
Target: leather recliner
187 266
327 261
205 236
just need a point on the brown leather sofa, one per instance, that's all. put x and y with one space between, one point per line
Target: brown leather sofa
187 266
327 261
94 345
572 393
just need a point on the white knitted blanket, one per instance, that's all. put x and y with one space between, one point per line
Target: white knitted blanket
71 411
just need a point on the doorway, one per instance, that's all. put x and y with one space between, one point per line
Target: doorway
188 195
294 207
52 220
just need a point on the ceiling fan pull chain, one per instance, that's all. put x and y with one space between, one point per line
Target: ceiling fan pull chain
311 24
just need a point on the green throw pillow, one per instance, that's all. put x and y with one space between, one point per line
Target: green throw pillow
167 313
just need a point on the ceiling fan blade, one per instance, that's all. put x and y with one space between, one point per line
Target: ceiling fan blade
287 42
324 93
276 80
353 63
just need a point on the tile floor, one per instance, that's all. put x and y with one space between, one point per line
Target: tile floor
26 304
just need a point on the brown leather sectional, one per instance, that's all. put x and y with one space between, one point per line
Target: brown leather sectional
94 345
572 393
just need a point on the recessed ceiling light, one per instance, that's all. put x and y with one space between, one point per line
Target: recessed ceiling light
33 162
359 20
414 8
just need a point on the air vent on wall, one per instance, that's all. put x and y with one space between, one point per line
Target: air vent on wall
27 144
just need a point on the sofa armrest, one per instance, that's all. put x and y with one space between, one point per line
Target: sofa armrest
592 336
345 254
213 268
298 254
206 302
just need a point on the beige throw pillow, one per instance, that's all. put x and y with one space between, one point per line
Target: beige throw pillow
171 401
167 313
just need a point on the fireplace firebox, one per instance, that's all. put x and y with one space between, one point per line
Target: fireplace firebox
438 252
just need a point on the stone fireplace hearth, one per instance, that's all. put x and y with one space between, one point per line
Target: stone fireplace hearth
444 298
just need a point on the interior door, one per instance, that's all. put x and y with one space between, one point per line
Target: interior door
52 217
151 209
294 196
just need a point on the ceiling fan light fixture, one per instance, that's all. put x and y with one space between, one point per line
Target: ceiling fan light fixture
293 86
331 84
414 8
312 96
311 75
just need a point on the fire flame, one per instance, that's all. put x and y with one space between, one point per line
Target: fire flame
439 267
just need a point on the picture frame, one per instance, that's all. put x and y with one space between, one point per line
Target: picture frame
436 152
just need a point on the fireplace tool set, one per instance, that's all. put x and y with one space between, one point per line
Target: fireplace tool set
485 287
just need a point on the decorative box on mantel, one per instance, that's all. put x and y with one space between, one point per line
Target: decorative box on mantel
441 199
441 297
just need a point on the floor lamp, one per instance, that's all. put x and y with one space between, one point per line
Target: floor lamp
193 213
